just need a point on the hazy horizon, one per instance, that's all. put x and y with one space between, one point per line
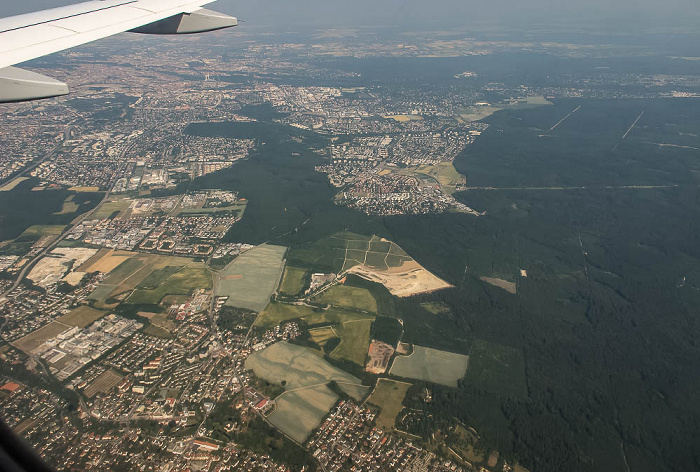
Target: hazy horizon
625 15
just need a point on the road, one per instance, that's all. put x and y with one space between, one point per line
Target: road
564 119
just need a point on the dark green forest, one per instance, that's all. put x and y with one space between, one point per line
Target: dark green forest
592 365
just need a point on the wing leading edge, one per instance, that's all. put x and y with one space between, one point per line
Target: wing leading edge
33 35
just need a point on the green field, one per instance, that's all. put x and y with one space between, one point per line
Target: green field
81 316
445 174
348 297
124 270
43 230
351 327
37 337
497 369
354 341
388 395
102 292
299 412
238 208
431 365
478 113
322 335
69 206
305 377
275 313
157 277
157 331
190 278
327 254
299 367
111 207
252 277
293 280
151 276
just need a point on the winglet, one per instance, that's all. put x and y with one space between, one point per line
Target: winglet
18 85
199 21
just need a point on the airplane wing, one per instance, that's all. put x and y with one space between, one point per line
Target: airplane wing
33 35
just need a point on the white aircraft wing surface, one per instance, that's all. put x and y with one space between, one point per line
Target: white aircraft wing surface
33 35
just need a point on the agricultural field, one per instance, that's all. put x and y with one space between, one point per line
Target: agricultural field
478 113
156 278
127 271
354 341
84 189
324 255
160 326
431 365
252 277
169 281
297 413
371 258
351 327
275 313
388 395
37 337
348 297
445 174
305 377
12 184
403 118
43 230
299 367
322 335
114 206
81 316
103 384
293 280
105 261
497 369
238 208
375 253
384 262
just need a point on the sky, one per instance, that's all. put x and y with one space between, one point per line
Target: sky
431 14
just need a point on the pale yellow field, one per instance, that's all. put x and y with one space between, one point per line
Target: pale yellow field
105 261
12 184
84 189
509 287
403 118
